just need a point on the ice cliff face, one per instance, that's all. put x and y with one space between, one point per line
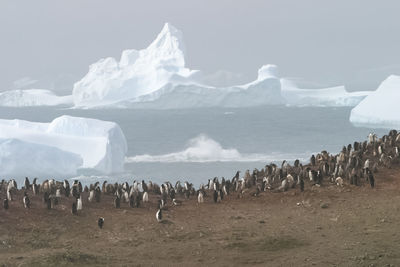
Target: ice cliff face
80 142
381 109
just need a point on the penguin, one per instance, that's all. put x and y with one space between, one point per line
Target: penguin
371 178
176 202
145 197
91 196
100 222
27 183
97 194
144 187
48 203
215 196
5 204
159 215
58 193
117 202
74 209
301 185
35 187
79 203
312 160
137 200
27 201
9 195
46 197
200 197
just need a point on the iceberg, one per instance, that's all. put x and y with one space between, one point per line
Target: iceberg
156 77
326 97
33 97
381 108
98 145
137 72
19 158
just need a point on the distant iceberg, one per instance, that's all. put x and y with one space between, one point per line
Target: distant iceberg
381 109
80 143
33 97
156 78
326 97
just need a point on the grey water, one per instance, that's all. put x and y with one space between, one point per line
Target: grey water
290 131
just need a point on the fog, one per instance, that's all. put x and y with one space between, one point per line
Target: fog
50 44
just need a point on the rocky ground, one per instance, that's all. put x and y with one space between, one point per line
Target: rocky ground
323 226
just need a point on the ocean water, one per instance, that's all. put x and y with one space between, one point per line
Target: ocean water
199 144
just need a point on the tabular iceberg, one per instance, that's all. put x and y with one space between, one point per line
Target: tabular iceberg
381 109
326 97
33 97
94 144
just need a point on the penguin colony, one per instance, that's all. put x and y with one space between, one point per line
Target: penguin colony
354 165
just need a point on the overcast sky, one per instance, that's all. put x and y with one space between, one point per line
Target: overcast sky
351 42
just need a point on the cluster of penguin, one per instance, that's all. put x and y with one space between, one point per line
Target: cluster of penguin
354 164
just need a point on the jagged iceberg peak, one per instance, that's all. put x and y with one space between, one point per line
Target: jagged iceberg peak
168 47
268 71
137 73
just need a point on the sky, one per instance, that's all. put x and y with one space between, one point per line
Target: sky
50 44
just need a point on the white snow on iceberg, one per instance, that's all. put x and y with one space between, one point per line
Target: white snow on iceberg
100 145
326 97
33 97
381 109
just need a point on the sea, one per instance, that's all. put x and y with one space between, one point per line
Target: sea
199 144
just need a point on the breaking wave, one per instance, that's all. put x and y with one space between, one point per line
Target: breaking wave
205 149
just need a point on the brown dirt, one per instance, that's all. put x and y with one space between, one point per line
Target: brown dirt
327 226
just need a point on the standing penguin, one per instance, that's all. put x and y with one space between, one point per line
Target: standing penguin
117 202
27 183
74 209
215 196
5 204
27 201
312 160
371 178
159 215
79 203
100 222
301 185
132 201
200 197
137 200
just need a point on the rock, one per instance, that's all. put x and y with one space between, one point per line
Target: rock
324 205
